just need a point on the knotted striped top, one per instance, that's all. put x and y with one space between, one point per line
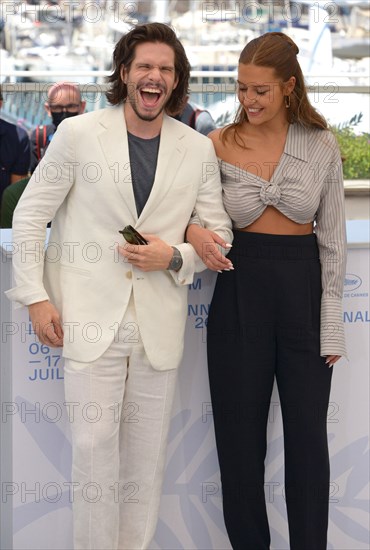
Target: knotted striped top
306 185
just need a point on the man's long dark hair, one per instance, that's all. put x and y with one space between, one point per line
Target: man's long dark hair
124 54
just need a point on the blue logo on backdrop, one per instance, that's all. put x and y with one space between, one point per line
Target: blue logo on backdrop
351 282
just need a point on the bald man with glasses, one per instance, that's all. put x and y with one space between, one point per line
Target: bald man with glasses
64 101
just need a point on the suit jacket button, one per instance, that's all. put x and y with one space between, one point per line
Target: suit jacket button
129 275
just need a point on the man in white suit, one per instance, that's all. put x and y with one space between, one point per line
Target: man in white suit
120 311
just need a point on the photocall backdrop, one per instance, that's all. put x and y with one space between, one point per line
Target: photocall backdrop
37 491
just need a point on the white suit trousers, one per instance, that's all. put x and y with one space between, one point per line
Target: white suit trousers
119 410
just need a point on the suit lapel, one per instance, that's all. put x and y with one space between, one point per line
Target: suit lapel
170 155
113 141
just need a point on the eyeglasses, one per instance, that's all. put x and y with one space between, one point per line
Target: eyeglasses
61 108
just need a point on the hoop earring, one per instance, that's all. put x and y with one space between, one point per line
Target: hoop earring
287 101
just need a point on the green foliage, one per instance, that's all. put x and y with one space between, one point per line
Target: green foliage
355 149
225 118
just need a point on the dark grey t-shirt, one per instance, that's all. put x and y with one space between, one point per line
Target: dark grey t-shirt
143 160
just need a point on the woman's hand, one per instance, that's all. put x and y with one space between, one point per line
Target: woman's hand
331 359
205 243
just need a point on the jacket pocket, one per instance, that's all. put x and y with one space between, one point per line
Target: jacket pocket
75 270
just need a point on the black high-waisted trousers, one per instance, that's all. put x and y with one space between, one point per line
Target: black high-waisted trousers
264 323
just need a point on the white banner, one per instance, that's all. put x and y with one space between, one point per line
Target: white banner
191 509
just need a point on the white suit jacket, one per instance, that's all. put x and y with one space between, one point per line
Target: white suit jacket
83 184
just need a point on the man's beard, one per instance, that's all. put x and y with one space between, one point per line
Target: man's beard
149 117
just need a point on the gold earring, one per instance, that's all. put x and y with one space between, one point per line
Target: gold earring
287 101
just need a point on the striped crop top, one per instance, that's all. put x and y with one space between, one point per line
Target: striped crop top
306 186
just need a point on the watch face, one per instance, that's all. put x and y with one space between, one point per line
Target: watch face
176 261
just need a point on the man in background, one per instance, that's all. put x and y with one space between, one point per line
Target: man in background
64 101
14 153
197 118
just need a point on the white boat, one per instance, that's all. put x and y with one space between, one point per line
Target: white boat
349 23
7 66
319 68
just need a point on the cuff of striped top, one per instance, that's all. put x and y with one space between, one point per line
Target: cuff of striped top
195 219
332 328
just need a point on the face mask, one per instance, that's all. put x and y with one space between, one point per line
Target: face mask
58 117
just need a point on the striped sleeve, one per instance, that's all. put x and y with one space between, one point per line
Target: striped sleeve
330 230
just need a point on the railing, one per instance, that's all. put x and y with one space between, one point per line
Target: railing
226 79
24 101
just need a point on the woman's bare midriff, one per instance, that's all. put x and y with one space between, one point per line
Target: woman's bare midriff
274 222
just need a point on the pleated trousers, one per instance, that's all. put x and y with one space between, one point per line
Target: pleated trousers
264 324
120 412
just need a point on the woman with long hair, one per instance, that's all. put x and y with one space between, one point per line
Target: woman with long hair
277 314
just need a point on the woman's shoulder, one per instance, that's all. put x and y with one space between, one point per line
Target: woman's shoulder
322 136
223 140
327 140
315 132
215 135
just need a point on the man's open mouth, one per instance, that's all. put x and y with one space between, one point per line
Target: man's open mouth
150 96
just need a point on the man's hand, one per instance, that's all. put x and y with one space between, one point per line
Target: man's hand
205 243
46 323
155 256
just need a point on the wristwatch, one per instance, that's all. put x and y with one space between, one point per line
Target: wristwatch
176 260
